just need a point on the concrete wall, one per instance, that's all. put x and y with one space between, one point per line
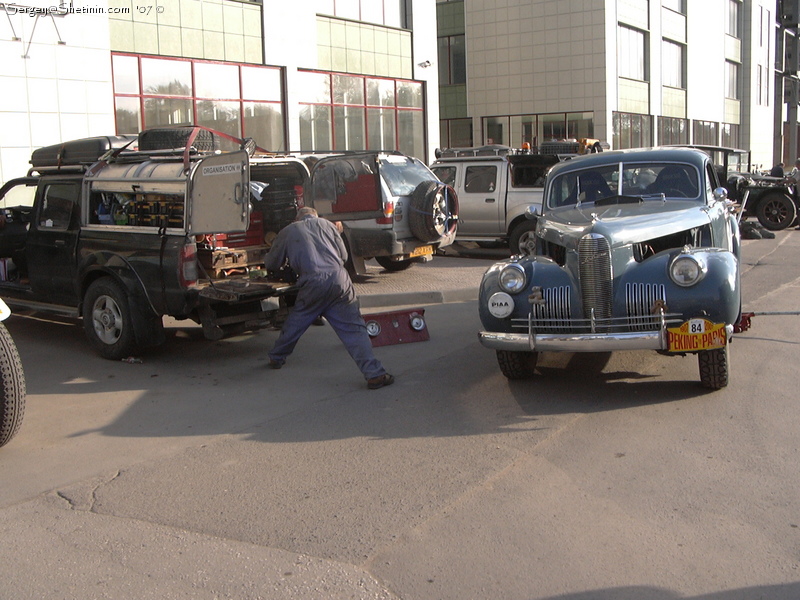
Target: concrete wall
52 91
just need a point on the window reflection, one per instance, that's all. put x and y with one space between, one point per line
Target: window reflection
216 81
167 111
126 74
168 77
261 84
380 92
380 125
215 101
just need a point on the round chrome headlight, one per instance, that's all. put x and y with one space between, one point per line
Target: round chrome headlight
686 270
512 278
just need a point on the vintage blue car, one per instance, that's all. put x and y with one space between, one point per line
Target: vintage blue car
634 250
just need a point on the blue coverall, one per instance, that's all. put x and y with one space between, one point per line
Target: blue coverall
316 253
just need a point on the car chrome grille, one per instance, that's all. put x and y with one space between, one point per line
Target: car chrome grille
642 302
553 312
594 260
645 309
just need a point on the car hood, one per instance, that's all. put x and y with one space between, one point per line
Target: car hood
621 224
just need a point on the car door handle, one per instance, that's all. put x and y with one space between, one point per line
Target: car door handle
489 200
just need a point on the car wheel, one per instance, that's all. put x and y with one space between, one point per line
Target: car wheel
391 264
523 238
107 319
714 367
517 365
12 387
776 211
434 211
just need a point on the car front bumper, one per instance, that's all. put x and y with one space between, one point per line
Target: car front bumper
579 342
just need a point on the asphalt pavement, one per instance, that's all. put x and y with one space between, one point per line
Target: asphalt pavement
201 474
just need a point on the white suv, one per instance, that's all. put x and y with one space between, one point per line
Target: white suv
392 207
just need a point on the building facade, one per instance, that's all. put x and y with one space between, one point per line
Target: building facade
312 75
632 73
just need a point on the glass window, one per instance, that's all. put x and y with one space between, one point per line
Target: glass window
672 65
314 87
264 123
126 74
732 21
212 98
128 114
446 175
494 130
411 127
631 53
552 127
166 77
349 127
729 135
409 94
452 58
396 120
523 130
676 5
380 92
631 130
580 125
221 115
348 90
348 9
372 11
480 179
394 13
381 129
315 128
731 80
705 133
59 205
212 80
672 130
167 111
261 84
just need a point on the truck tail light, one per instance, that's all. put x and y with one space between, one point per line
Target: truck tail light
187 268
388 214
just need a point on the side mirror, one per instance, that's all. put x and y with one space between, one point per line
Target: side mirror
532 212
720 194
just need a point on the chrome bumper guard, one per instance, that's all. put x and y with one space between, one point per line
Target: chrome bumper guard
579 342
585 342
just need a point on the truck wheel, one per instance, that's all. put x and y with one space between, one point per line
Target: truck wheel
523 238
12 387
107 319
517 365
776 211
713 367
393 265
434 211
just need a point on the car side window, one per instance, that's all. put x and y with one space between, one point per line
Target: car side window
59 205
480 179
446 175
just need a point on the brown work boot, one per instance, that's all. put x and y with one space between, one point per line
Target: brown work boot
380 381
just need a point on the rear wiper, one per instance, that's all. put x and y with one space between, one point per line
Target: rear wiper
619 200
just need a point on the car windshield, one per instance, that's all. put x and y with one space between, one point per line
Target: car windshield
403 174
638 180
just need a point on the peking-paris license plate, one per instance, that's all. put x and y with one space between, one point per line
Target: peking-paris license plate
697 334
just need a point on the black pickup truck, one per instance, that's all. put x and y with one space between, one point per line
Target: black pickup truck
121 236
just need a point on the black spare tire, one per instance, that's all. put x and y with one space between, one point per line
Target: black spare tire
434 211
